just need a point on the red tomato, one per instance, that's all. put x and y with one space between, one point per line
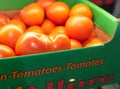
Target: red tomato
6 51
47 26
75 44
93 42
60 41
3 19
9 34
81 9
93 34
79 27
58 13
45 3
35 29
58 30
32 43
33 14
18 23
16 16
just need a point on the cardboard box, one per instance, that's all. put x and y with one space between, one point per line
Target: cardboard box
68 69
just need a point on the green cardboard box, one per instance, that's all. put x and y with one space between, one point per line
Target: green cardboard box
68 69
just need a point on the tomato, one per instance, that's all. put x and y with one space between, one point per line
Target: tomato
93 34
18 23
93 42
6 51
58 13
3 19
58 30
79 27
16 16
35 29
32 43
81 9
45 3
9 34
32 14
60 41
75 44
47 26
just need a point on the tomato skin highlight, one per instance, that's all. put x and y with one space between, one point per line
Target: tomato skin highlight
33 42
6 51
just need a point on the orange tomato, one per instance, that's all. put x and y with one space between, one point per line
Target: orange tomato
6 51
79 27
3 19
58 13
60 41
47 26
35 29
32 14
93 34
58 30
32 43
18 23
75 44
16 16
93 42
45 3
81 9
9 34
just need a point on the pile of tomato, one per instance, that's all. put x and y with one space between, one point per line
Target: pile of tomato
47 26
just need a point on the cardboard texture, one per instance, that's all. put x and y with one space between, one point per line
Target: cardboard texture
68 69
